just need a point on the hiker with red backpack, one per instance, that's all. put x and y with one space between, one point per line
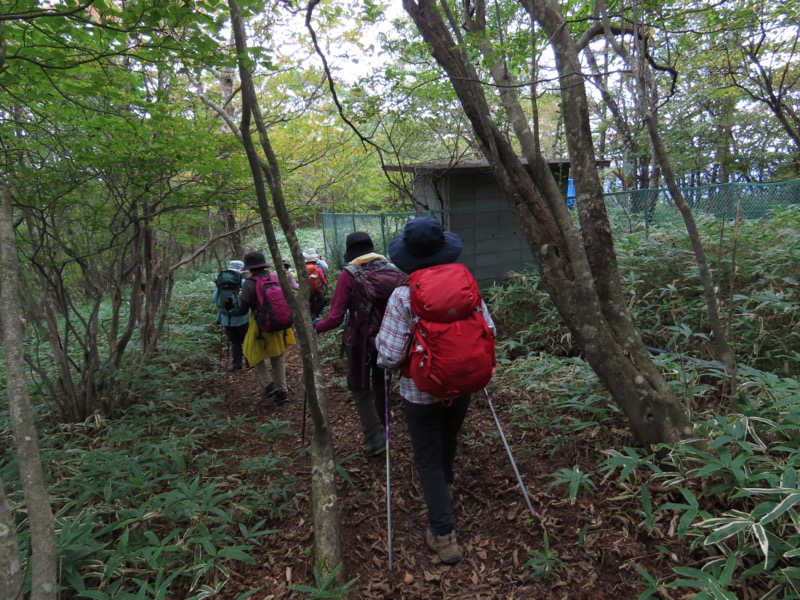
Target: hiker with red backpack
319 284
439 333
270 328
361 293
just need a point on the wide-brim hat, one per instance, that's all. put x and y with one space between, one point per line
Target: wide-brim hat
236 265
255 260
310 255
424 244
357 244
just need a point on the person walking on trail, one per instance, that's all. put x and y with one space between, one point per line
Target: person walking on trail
235 327
261 345
364 313
319 283
287 266
433 422
320 260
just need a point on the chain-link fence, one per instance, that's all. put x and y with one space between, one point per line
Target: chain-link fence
637 209
493 243
381 227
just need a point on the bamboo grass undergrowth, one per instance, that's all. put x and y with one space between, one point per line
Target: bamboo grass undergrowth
731 494
146 505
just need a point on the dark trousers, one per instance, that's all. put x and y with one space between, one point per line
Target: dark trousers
316 304
433 429
366 382
236 337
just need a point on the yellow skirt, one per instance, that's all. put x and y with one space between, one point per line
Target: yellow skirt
258 346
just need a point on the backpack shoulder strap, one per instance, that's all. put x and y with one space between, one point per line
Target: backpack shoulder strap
356 270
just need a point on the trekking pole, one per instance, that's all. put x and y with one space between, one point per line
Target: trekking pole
227 356
227 372
305 404
387 377
511 458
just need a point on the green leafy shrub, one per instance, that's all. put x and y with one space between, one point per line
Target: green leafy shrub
575 480
543 563
758 300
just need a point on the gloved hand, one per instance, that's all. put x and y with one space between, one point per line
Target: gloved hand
229 305
315 320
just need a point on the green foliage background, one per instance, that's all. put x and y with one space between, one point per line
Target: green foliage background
145 506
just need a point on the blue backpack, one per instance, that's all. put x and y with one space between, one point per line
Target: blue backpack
229 284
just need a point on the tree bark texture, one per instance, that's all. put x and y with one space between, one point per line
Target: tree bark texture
40 515
10 572
325 500
227 214
578 268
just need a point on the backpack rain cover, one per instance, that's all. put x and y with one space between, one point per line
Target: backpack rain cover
452 351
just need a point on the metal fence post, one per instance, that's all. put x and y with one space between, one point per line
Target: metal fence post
383 234
325 250
731 205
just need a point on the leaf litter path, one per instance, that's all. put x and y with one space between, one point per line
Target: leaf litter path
594 545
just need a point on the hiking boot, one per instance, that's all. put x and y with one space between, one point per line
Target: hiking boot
281 397
271 390
445 546
235 368
376 446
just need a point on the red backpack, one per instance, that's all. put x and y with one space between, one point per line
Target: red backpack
452 351
317 287
272 312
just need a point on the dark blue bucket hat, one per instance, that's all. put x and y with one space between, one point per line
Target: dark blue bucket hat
424 244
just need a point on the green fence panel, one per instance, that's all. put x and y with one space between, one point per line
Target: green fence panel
628 211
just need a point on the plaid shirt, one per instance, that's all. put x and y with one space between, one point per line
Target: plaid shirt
394 339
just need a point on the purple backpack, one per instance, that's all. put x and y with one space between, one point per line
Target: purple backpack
272 312
374 283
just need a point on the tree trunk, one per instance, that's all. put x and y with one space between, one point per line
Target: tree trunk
325 500
647 103
37 500
724 351
579 269
647 100
10 572
227 215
